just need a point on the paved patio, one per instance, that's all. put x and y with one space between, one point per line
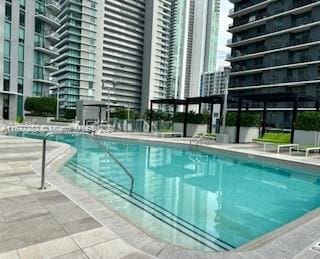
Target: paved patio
66 222
46 224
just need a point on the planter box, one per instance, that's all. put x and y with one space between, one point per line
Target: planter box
192 129
39 120
304 137
246 134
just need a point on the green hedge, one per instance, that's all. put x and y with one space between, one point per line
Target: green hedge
158 116
194 118
41 106
308 121
247 119
123 114
70 114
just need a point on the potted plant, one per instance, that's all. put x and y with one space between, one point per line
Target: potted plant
307 128
196 123
249 126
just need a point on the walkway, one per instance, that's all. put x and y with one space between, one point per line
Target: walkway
46 224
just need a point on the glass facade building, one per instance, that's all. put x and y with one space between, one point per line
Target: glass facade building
27 52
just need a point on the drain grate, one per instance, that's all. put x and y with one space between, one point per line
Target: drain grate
316 247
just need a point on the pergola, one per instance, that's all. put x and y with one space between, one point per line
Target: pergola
211 100
97 105
266 98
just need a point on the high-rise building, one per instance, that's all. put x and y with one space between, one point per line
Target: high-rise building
215 83
193 45
156 51
27 30
122 53
77 47
275 47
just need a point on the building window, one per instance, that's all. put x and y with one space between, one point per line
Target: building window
21 52
6 83
8 12
7 31
6 69
22 4
20 69
22 19
21 35
7 49
20 86
37 89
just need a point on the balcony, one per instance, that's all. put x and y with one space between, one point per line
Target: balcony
246 38
51 66
52 36
50 19
46 49
53 6
248 7
46 79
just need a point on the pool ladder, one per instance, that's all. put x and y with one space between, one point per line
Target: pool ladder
44 151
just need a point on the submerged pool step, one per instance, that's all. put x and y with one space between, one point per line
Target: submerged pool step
153 209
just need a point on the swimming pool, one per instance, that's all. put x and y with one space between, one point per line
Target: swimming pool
192 199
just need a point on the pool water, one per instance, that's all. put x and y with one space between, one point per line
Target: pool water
192 199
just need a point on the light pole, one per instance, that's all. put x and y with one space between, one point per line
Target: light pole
225 102
58 102
104 81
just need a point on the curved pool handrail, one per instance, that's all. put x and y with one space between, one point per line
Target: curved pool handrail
95 141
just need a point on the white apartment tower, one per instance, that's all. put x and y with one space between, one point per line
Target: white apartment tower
193 45
122 52
156 51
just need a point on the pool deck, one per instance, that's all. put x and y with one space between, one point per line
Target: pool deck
64 221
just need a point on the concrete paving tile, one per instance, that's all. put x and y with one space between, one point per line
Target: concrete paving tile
78 254
112 249
28 232
137 255
154 247
307 254
49 249
10 255
80 225
8 194
51 197
93 237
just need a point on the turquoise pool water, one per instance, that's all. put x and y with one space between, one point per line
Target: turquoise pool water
192 199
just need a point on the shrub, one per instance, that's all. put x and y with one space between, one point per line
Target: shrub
194 118
158 116
41 106
19 119
308 121
247 119
70 114
123 114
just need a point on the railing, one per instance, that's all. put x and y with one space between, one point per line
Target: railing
43 169
199 137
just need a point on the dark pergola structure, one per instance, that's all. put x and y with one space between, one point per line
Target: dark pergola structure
266 98
211 100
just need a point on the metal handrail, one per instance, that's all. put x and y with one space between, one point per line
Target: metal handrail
198 139
94 140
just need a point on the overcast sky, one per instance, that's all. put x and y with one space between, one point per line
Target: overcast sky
223 34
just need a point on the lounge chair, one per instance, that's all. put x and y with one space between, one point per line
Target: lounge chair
278 140
170 134
304 148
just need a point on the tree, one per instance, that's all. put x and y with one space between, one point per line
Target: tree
41 106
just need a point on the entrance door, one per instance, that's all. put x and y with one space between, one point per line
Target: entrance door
6 106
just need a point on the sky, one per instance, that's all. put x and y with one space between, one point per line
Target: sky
225 6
